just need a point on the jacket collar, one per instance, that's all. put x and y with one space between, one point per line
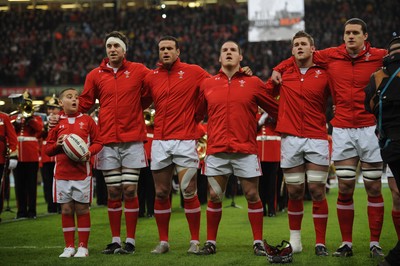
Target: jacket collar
174 66
105 61
65 116
367 45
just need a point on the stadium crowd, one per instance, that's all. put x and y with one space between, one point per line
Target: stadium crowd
59 47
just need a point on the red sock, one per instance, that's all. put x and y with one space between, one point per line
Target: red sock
192 212
162 213
68 226
131 215
345 213
295 213
375 217
320 217
83 229
114 215
255 213
214 214
396 222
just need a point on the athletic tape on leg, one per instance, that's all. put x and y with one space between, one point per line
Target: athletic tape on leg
346 172
130 176
372 174
216 187
314 176
112 178
187 177
294 178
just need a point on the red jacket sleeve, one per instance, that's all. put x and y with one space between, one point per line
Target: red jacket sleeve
282 66
96 145
266 101
11 136
51 148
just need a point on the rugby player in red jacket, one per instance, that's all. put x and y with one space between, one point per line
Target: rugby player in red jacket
304 146
174 87
117 84
350 66
231 100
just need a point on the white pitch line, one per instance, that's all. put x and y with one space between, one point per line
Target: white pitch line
31 247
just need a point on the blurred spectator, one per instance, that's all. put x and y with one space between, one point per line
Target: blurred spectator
69 43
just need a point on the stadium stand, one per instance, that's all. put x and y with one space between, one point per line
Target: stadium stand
58 47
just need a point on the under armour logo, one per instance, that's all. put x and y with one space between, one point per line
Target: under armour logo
81 124
317 73
180 73
367 56
242 82
127 73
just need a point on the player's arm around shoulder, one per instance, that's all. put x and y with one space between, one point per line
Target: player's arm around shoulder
96 144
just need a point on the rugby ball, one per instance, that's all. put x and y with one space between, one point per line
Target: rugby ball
75 147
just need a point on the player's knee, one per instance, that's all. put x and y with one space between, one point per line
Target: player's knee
130 191
216 192
314 176
188 192
294 178
252 195
346 172
114 192
371 174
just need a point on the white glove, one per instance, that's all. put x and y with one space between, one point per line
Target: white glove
262 119
13 163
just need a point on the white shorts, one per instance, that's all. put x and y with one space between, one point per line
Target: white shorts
351 142
179 152
117 155
239 164
65 191
296 151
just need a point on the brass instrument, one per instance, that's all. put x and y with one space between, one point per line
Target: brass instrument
25 105
149 115
202 147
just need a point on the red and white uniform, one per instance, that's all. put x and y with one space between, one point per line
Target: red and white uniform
348 90
85 127
232 105
175 93
7 137
269 143
119 94
28 131
303 101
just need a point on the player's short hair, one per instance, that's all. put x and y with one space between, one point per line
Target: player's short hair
61 95
119 35
170 38
357 21
301 34
240 49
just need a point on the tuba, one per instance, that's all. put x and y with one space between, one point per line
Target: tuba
149 115
202 147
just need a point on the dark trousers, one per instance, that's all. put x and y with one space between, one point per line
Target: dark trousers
267 186
146 192
395 167
47 172
100 188
25 178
